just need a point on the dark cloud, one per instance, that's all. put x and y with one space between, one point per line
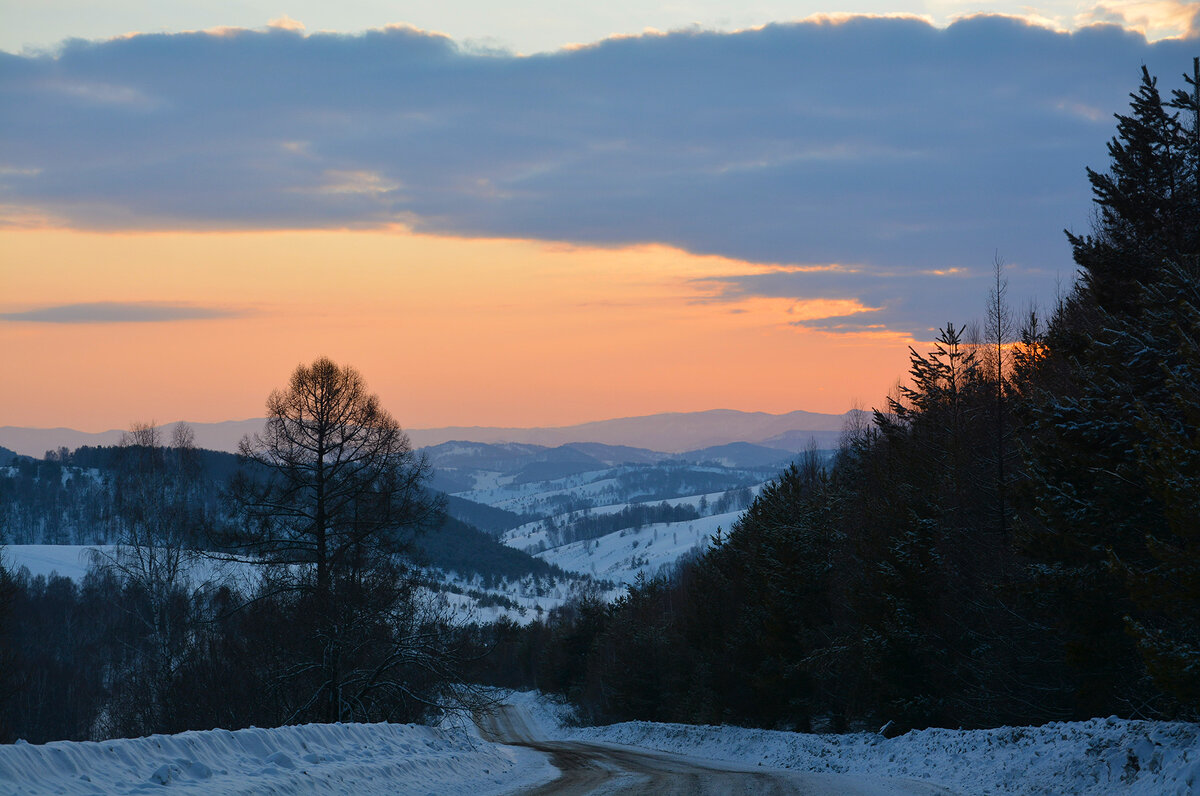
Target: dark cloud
883 143
118 312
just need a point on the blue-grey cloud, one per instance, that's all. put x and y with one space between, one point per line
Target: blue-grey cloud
915 301
119 312
886 144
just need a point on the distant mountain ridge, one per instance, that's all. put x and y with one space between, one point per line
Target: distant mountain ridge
223 436
670 432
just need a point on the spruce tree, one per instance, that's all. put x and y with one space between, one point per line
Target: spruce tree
1165 587
1104 450
1144 202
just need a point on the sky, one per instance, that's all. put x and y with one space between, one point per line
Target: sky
536 214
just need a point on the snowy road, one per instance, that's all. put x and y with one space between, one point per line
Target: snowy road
530 750
595 768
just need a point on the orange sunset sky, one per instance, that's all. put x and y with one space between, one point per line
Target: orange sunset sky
747 212
448 331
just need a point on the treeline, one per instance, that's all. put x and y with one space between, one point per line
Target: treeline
97 495
91 495
114 656
41 502
486 518
105 658
730 500
1014 539
458 547
666 481
592 526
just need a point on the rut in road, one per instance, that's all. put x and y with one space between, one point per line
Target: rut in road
593 769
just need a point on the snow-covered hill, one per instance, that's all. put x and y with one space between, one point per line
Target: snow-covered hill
612 523
637 547
652 550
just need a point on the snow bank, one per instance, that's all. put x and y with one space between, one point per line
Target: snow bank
309 759
1101 756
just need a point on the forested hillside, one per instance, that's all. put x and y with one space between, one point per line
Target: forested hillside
181 624
1015 538
83 497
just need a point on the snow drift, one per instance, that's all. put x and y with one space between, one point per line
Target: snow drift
1090 758
308 759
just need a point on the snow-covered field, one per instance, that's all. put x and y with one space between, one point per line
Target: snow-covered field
616 559
66 560
72 561
1089 758
601 488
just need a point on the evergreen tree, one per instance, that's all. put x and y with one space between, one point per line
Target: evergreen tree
1146 202
8 681
1165 585
1109 391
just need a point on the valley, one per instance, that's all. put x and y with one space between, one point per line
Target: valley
527 526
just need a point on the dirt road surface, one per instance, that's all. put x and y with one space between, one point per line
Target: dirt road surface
596 768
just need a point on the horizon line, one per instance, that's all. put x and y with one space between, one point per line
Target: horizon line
458 426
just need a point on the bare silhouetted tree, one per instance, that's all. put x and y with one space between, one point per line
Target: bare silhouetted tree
332 494
155 560
1000 334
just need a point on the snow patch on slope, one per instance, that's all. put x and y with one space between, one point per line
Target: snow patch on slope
650 550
